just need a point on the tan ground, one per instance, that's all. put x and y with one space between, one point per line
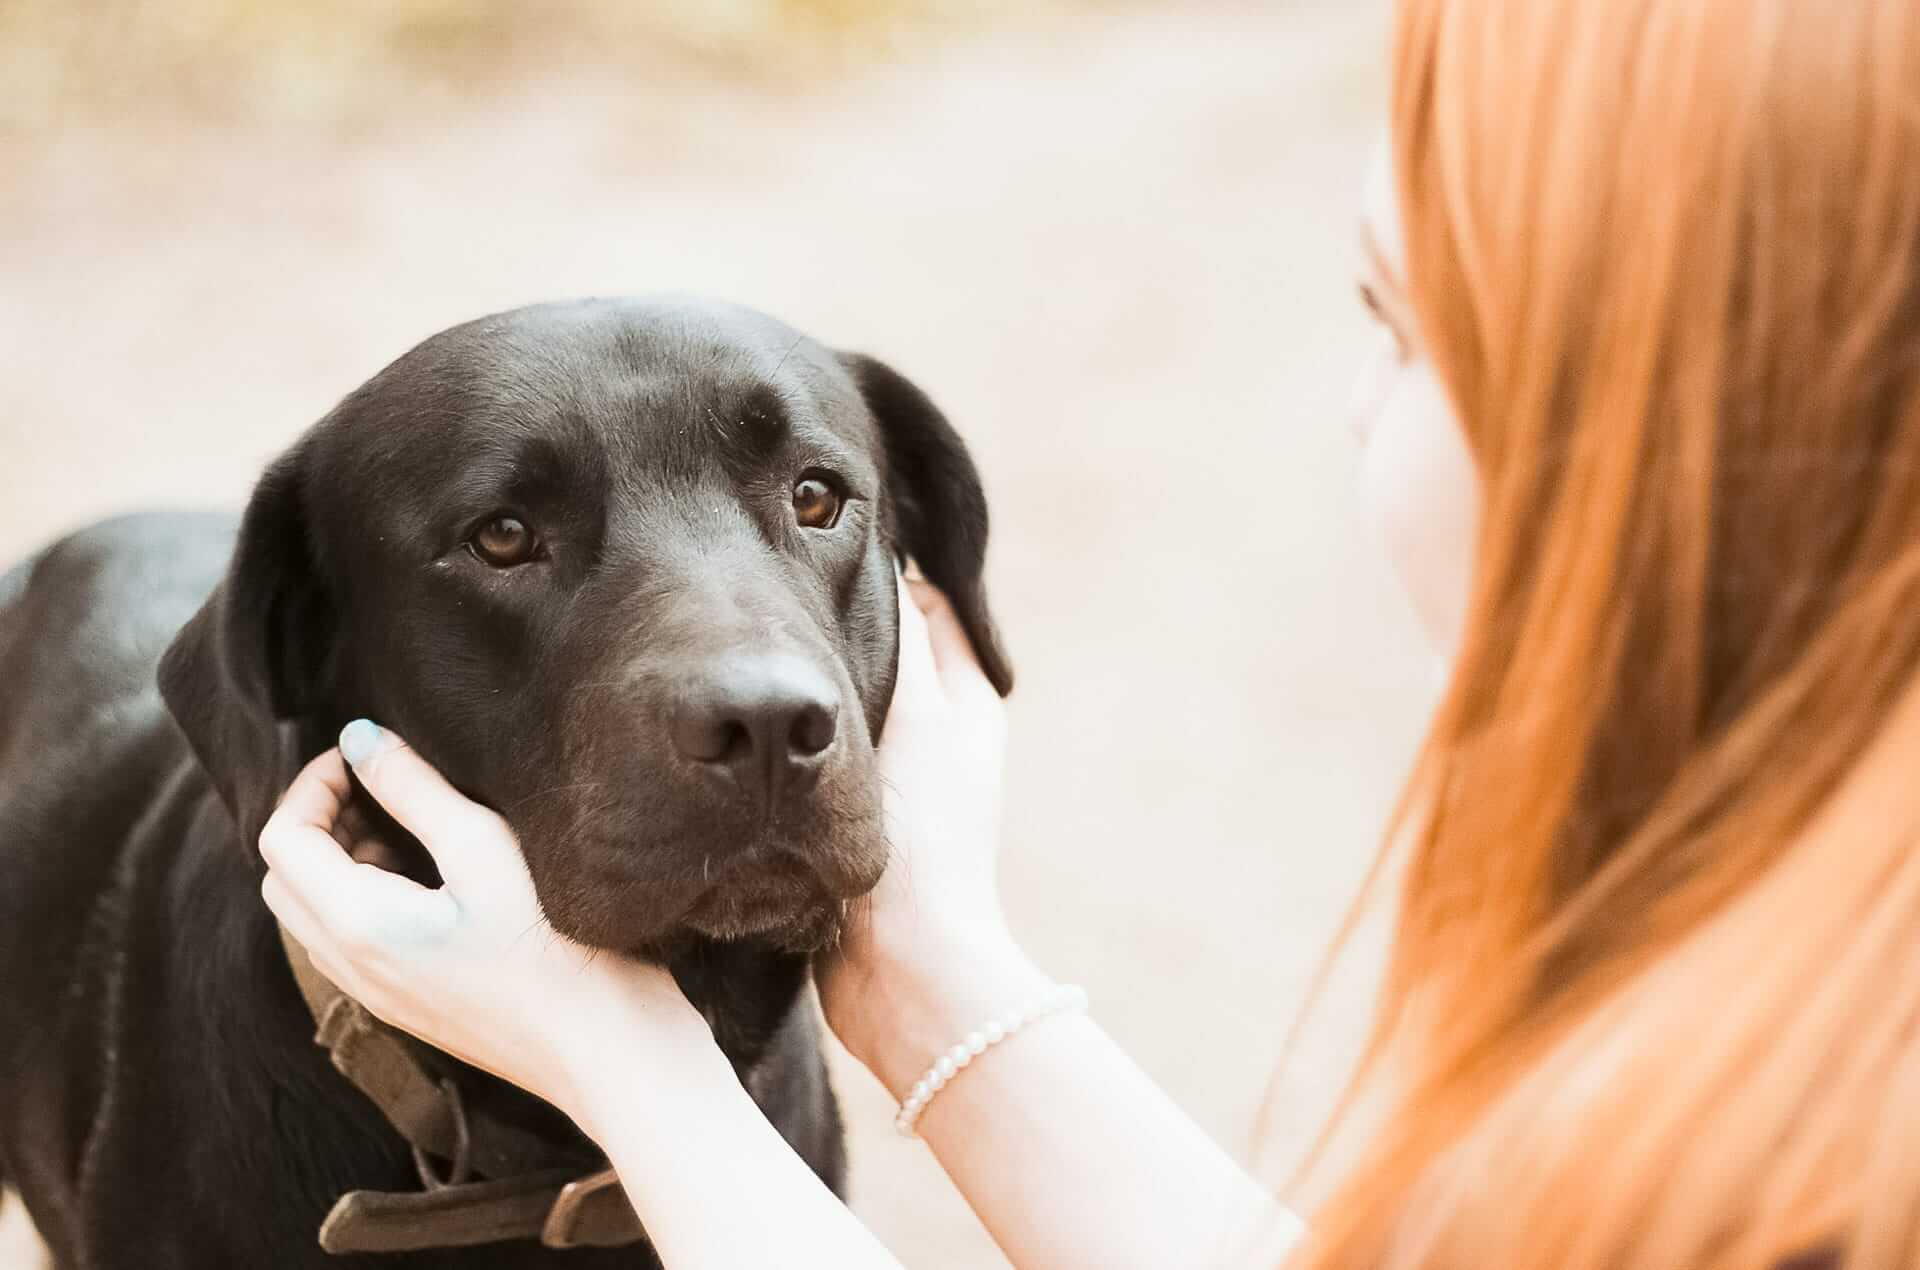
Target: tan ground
1116 249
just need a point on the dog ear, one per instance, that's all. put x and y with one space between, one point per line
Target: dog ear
939 507
252 656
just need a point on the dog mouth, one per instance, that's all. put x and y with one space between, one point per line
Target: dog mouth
774 898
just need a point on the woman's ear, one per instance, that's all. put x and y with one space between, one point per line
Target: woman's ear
251 658
937 507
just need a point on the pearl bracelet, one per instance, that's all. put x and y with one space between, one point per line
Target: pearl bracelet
1062 999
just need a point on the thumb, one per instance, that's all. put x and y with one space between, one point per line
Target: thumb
953 655
919 672
455 830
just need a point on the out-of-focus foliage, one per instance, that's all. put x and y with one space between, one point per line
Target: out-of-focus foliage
330 60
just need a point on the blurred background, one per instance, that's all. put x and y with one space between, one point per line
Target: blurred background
1113 240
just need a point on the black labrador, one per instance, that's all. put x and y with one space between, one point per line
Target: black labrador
624 571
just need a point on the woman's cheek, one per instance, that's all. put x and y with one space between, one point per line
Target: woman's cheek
1423 496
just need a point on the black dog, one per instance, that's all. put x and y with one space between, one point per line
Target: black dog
623 571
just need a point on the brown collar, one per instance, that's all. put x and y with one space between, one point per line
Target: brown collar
523 1196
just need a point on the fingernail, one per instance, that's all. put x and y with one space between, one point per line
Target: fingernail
358 740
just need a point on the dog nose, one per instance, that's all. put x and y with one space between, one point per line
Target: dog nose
764 721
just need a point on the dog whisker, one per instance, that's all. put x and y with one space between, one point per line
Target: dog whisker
555 789
789 353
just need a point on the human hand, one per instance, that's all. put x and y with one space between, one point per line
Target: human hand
942 759
472 967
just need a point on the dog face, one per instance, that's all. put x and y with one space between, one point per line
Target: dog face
623 571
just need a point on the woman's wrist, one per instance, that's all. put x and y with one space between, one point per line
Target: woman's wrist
898 1002
601 1079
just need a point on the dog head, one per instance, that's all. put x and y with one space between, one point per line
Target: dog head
623 571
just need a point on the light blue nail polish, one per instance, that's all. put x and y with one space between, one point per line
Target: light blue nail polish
358 740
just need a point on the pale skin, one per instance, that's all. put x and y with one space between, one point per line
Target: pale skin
1066 1150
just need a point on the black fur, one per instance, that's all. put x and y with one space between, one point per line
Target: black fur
161 1102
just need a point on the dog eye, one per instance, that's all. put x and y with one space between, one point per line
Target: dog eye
816 503
504 542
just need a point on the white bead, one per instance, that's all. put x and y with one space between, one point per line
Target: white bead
1060 1000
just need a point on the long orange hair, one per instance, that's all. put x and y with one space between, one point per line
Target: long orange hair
1654 995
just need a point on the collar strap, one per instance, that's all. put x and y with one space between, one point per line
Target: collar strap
523 1199
556 1207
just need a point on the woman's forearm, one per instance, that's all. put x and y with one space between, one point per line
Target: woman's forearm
1065 1149
688 1142
1068 1153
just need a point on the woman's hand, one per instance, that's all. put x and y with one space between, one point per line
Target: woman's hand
475 969
890 983
942 761
472 967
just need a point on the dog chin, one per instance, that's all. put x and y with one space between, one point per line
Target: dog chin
799 928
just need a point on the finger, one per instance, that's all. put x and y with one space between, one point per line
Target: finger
917 669
315 874
297 840
455 830
953 655
294 916
318 794
299 845
322 797
287 907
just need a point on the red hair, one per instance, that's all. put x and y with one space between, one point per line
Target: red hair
1654 995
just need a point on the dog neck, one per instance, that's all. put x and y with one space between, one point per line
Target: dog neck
533 1187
